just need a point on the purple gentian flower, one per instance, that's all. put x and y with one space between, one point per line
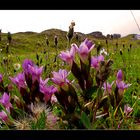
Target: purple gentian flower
60 77
96 60
108 87
5 101
31 69
119 82
3 116
19 80
43 82
25 65
122 86
68 56
84 50
88 43
120 75
35 72
48 91
127 109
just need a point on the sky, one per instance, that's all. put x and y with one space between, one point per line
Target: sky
87 21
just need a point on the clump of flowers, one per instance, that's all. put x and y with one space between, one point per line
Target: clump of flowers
31 85
82 94
94 93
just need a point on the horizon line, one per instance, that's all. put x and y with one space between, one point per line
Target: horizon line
67 31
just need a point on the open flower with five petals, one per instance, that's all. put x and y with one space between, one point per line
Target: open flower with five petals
84 50
68 56
60 78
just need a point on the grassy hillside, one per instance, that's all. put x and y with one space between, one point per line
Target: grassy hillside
28 44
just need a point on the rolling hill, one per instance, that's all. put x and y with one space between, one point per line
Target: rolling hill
26 42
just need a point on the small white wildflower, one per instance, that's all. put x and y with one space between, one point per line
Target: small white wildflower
0 50
17 66
103 52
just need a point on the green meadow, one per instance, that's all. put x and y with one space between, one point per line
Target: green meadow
30 45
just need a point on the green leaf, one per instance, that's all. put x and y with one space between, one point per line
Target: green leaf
103 101
85 120
41 122
89 92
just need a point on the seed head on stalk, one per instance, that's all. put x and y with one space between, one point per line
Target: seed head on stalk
9 37
55 40
70 32
77 37
47 41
